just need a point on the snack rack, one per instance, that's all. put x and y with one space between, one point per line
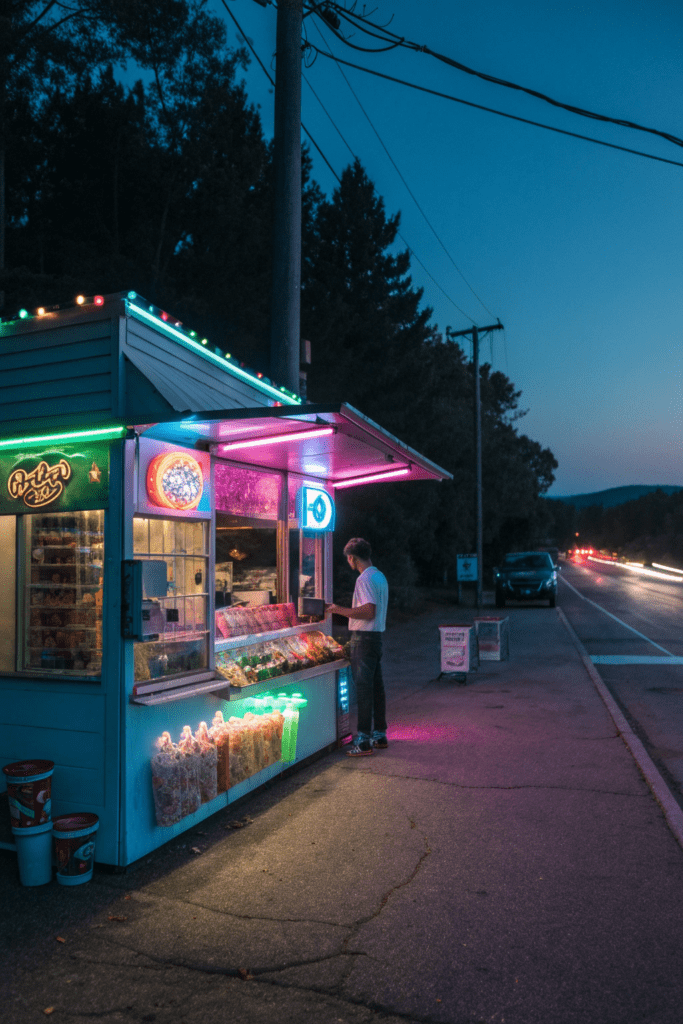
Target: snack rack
63 620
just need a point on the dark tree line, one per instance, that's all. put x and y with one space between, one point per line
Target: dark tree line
164 186
648 529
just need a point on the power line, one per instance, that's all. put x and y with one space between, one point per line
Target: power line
408 247
331 120
491 110
361 22
270 79
410 192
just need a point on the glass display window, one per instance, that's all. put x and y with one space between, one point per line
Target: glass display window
306 562
246 561
178 623
249 493
306 551
61 576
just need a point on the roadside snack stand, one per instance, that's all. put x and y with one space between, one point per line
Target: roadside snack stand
166 521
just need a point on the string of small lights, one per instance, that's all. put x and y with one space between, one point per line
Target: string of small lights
162 320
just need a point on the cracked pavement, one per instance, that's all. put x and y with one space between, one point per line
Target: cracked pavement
502 861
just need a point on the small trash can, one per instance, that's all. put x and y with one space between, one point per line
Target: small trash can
29 790
74 846
34 853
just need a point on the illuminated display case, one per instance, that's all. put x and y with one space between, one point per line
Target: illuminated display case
178 623
62 572
257 663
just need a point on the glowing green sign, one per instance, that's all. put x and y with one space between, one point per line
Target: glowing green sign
58 478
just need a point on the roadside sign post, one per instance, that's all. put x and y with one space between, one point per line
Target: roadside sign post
467 571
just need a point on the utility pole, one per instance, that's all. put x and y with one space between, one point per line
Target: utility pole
286 296
475 331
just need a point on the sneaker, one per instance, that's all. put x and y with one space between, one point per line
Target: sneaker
361 749
380 743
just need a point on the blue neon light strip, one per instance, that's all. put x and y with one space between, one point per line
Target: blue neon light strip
225 364
71 436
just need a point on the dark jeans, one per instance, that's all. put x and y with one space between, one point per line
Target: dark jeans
366 665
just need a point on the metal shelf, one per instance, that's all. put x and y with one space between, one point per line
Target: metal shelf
151 695
249 639
286 679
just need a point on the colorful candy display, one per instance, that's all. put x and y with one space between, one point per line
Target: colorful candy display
195 770
273 658
184 775
264 618
247 745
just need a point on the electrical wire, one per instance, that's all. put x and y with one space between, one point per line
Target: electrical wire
270 79
361 22
408 188
500 113
407 245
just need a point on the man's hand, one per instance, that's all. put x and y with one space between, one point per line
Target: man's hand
365 611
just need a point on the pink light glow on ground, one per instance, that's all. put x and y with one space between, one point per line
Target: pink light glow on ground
421 733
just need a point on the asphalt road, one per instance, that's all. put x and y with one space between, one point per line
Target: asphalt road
632 629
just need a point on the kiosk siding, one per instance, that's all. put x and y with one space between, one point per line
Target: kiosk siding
55 373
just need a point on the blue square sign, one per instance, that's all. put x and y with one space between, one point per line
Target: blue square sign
316 509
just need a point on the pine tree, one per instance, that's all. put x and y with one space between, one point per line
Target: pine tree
359 308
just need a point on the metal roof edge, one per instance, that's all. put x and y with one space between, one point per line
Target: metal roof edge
354 415
175 330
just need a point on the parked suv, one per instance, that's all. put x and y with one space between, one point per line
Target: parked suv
526 576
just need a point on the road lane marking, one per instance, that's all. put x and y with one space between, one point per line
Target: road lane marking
620 621
634 659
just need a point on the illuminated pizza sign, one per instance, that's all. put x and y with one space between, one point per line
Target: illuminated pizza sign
316 509
175 480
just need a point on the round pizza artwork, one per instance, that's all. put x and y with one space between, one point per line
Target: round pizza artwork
175 480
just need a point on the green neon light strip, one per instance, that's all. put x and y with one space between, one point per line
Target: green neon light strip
73 435
281 396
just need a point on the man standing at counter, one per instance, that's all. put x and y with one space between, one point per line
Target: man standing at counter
367 622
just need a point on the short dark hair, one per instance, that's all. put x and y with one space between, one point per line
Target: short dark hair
358 547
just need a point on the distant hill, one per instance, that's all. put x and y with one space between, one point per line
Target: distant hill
613 496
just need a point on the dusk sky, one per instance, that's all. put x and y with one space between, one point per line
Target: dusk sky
575 247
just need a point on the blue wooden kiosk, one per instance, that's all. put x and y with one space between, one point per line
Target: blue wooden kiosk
166 522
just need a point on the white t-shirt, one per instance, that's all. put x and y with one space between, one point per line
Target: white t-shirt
371 588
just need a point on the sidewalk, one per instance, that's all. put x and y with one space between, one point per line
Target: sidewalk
503 861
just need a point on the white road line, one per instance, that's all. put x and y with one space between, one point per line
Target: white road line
620 621
633 659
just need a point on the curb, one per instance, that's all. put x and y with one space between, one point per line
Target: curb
648 769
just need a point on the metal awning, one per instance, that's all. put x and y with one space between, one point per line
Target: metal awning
335 443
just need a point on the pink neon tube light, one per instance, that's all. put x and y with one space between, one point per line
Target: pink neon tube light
387 475
279 438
